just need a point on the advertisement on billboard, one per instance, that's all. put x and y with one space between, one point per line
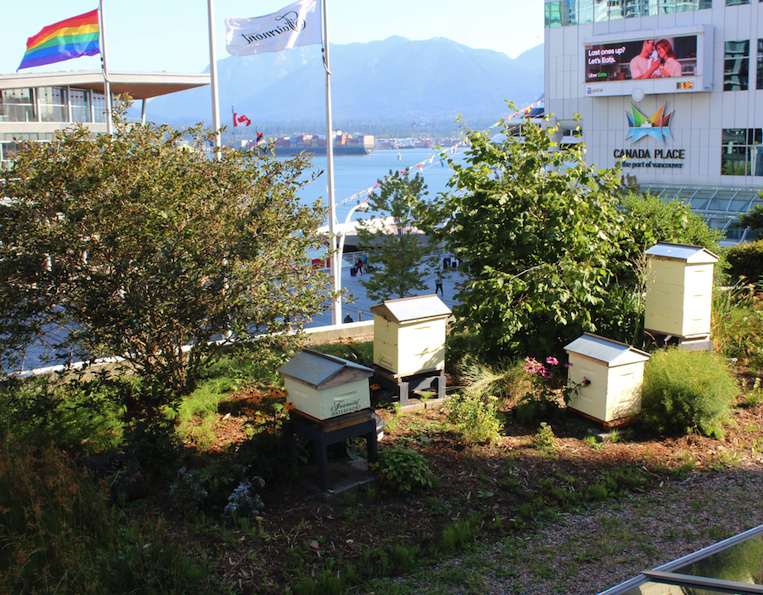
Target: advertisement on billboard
647 58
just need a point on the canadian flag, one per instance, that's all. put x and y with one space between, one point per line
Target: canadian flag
240 119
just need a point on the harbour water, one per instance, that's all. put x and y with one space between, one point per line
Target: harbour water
355 174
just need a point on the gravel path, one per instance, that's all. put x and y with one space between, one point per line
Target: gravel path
585 554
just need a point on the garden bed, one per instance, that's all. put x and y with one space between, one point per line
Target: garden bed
513 487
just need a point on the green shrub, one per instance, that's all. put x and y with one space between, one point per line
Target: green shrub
687 390
545 441
60 534
404 470
746 261
75 414
738 324
475 418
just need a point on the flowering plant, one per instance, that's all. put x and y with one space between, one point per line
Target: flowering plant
549 384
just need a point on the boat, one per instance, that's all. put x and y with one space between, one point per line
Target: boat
344 144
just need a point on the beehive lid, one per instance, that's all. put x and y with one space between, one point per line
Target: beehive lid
682 252
420 307
320 371
609 352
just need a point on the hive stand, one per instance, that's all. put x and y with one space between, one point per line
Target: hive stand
323 433
703 342
403 386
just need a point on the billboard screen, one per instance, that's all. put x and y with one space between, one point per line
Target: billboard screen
647 58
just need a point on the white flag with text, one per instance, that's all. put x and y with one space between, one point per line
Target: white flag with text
293 26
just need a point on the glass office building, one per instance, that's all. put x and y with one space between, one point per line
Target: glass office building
33 106
672 90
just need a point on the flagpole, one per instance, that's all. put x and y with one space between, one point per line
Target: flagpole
213 73
105 71
336 258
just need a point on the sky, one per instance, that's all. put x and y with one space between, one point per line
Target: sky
173 35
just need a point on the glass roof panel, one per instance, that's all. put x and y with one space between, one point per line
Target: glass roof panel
720 201
740 203
741 563
702 197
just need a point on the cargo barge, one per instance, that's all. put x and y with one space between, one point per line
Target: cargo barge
344 144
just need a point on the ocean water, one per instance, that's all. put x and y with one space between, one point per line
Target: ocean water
355 174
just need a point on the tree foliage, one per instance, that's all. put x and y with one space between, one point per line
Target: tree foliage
754 220
535 230
402 259
141 246
650 219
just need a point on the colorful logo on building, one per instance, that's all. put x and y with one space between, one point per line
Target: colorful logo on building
657 125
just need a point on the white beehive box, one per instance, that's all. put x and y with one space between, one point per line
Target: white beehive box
409 334
679 290
324 386
614 373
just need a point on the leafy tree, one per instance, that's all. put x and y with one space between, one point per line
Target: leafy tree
754 220
650 219
401 260
535 230
141 246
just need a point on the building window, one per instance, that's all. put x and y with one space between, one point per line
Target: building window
736 2
53 104
742 152
79 99
760 64
560 13
17 105
99 107
736 66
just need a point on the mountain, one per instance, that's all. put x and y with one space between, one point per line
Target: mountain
391 81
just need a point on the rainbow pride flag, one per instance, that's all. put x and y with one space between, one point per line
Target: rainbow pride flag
72 38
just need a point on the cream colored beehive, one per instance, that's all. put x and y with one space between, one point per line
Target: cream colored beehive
409 334
679 290
613 375
324 386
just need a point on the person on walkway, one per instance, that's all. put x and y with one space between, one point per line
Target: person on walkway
359 264
438 286
348 319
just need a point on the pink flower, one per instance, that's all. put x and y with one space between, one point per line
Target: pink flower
567 365
546 374
552 361
585 382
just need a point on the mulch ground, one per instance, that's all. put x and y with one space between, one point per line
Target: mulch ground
303 531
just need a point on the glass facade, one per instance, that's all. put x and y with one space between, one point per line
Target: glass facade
79 99
561 13
736 66
11 142
53 104
17 105
759 85
741 152
99 107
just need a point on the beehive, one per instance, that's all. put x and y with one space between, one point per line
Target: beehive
324 386
613 375
409 335
679 290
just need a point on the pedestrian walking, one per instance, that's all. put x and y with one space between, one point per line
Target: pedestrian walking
438 287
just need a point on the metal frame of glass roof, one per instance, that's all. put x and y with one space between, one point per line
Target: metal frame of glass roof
670 574
720 207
